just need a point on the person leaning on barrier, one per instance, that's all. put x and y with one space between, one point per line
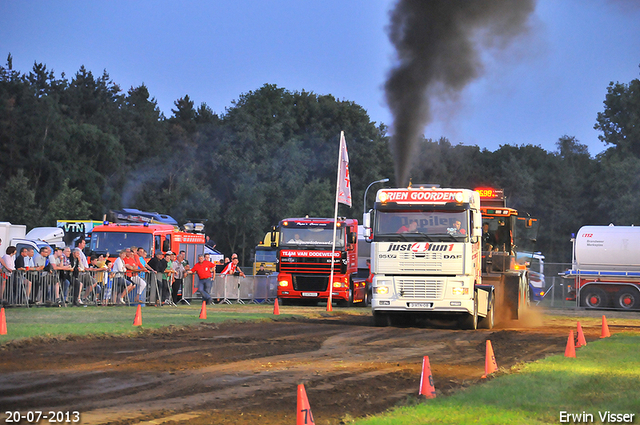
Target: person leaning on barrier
142 263
220 265
7 269
45 263
121 284
179 270
167 277
158 264
133 266
23 266
206 273
86 278
96 282
233 269
61 266
77 268
64 271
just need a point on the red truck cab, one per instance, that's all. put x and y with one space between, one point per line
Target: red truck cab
305 257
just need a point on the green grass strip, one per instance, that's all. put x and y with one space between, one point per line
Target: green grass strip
58 322
605 377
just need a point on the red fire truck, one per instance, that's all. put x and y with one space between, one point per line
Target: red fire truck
111 238
305 256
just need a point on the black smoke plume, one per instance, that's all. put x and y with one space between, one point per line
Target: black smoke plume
439 45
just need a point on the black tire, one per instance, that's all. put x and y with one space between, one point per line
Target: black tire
381 320
470 322
593 297
348 302
367 296
627 299
489 321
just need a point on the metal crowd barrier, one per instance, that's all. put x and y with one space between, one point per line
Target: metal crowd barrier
24 288
230 289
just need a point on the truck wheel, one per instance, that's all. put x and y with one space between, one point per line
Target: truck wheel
593 297
349 301
489 321
367 296
471 320
628 299
381 320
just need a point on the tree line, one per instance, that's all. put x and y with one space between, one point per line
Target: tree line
75 148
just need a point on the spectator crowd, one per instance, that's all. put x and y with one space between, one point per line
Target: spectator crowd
65 276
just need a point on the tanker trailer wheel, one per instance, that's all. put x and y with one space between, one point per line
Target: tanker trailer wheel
593 297
628 299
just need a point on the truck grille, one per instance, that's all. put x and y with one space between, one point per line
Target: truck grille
420 262
310 283
420 288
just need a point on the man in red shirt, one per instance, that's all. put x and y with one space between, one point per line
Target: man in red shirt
206 272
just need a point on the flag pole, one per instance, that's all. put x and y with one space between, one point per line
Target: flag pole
335 227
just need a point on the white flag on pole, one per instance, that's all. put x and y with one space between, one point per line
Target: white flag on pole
344 182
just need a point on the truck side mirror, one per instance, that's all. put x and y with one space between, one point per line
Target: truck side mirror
476 222
366 220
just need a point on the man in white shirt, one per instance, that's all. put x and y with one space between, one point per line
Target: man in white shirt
87 280
119 281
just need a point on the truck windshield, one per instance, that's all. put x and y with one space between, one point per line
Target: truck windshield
266 255
113 242
433 226
315 237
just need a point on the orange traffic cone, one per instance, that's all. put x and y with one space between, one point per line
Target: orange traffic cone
426 380
276 308
203 310
581 341
137 321
304 415
570 351
605 328
490 364
3 322
329 306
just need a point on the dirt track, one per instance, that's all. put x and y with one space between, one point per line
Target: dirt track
248 373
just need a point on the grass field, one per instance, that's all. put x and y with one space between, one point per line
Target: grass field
61 322
604 378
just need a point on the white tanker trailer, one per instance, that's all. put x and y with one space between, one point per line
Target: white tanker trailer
606 267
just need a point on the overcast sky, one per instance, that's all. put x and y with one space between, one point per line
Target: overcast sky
550 84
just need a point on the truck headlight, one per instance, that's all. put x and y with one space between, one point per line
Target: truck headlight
283 283
459 291
381 290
